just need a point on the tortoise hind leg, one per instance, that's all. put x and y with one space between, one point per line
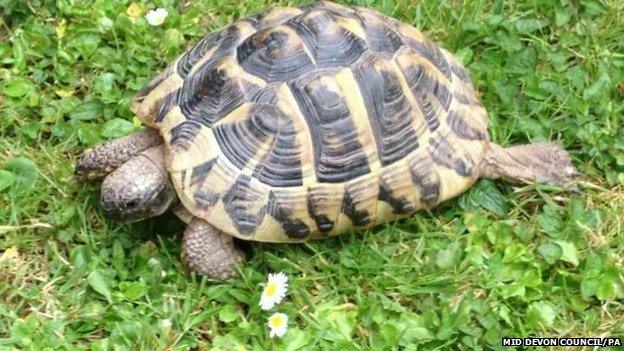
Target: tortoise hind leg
210 252
104 158
540 162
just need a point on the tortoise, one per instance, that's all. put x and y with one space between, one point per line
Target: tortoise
304 123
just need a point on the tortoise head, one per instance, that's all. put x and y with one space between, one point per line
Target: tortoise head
138 189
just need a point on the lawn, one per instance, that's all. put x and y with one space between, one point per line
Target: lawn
500 260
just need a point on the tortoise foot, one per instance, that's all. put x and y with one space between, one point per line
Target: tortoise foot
209 252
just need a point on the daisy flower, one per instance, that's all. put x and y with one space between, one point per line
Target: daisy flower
156 17
278 325
274 291
105 23
165 323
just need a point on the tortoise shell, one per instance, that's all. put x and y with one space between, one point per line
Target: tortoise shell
301 123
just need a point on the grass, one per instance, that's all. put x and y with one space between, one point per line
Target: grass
498 261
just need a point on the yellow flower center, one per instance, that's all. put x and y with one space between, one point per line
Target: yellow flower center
271 289
277 321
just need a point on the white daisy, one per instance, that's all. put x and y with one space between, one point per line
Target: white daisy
105 23
278 325
156 17
274 291
165 323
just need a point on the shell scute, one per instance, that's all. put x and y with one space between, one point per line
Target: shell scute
275 55
339 155
282 207
329 43
389 111
243 203
380 34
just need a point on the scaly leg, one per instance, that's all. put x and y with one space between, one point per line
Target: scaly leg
539 162
97 162
210 252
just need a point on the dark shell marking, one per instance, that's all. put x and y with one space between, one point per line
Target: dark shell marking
389 112
338 154
458 124
275 55
281 166
211 94
315 200
425 87
225 42
199 173
240 203
387 115
427 178
380 35
445 153
241 140
431 53
400 205
329 44
294 228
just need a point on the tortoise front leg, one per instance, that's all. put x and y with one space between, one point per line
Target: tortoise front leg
97 162
210 252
